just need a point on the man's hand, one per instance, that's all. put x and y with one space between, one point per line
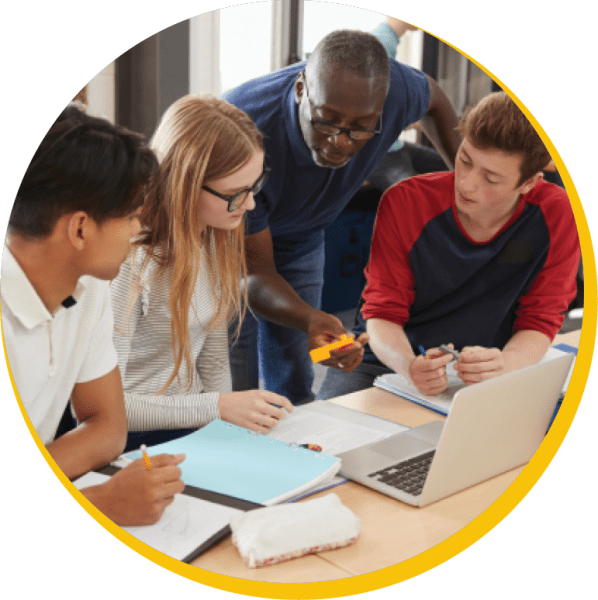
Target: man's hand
136 495
325 329
258 410
479 364
428 373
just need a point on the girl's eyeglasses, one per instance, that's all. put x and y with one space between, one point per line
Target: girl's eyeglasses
236 200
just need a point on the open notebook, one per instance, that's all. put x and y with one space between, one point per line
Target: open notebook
194 522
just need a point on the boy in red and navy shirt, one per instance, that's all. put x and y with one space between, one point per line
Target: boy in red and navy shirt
484 258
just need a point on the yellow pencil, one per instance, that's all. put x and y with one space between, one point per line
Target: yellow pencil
146 458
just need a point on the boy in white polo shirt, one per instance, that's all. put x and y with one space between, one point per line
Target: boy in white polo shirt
69 231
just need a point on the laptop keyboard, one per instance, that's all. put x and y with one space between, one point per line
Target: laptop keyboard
408 476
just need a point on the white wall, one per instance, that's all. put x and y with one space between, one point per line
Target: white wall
100 91
204 58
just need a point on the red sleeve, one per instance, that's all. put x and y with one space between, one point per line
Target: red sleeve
542 308
404 210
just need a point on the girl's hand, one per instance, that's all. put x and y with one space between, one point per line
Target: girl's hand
258 410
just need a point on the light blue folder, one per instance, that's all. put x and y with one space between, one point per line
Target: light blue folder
230 460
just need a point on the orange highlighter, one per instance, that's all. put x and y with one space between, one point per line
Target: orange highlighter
323 353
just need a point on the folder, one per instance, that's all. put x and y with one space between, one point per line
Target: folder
234 461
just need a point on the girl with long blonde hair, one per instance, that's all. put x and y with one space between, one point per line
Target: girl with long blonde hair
182 285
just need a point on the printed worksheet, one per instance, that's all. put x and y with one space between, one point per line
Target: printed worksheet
333 427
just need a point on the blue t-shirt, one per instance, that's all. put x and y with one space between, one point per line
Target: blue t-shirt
300 197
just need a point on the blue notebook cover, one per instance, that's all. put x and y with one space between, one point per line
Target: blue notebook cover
234 461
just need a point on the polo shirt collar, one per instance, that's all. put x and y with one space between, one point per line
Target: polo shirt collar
301 153
21 297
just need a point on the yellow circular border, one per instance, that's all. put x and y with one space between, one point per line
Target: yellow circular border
463 538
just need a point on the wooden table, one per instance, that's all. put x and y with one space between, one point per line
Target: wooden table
391 531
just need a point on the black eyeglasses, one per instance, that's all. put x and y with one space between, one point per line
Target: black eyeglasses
328 129
236 200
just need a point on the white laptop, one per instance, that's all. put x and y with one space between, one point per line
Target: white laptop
493 426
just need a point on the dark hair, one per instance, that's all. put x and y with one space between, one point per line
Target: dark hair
359 52
83 163
497 122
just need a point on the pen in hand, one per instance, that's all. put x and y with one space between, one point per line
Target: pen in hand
146 458
422 351
444 348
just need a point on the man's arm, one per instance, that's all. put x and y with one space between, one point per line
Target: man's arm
274 299
440 123
391 346
102 432
525 348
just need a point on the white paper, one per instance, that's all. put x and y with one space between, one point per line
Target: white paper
184 525
401 386
335 428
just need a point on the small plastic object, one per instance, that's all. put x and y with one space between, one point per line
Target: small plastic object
323 353
313 447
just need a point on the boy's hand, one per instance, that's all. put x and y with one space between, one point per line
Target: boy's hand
429 373
136 495
479 364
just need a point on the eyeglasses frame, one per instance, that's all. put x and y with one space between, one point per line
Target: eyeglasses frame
262 179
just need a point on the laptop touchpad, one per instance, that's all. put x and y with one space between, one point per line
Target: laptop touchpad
402 446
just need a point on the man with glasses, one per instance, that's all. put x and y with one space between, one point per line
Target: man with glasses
327 124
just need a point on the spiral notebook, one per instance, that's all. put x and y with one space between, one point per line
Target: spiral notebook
230 460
